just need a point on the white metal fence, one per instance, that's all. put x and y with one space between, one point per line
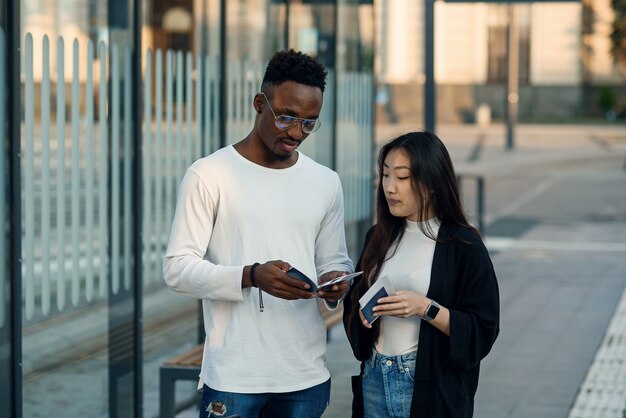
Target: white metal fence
354 153
76 158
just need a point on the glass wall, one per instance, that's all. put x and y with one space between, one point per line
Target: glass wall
79 341
116 100
180 98
354 115
6 360
255 29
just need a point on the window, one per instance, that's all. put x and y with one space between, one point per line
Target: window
497 38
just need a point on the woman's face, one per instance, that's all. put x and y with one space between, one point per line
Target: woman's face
398 185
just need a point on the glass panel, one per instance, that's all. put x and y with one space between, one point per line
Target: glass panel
312 30
78 307
180 123
6 388
354 133
255 29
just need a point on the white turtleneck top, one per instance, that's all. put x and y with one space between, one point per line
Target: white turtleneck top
408 269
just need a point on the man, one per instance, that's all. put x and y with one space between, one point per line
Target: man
245 215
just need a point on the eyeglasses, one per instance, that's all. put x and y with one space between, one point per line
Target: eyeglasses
284 122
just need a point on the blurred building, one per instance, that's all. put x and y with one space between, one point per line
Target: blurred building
564 58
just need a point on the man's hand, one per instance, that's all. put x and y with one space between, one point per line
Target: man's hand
271 278
337 291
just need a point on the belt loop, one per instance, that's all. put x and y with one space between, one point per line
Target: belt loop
376 361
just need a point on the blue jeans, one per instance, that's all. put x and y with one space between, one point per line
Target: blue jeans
306 403
388 385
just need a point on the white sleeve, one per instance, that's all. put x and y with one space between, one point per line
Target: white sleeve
330 246
184 268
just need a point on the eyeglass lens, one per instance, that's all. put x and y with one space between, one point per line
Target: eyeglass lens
286 122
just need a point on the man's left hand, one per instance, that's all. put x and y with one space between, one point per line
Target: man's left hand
337 291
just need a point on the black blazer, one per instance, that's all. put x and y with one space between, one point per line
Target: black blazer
447 368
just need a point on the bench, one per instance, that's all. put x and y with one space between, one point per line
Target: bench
186 366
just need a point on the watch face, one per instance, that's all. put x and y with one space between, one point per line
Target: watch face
432 311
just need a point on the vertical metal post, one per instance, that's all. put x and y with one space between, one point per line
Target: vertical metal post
12 9
287 23
222 70
335 90
137 204
430 104
125 355
480 203
512 85
372 200
203 52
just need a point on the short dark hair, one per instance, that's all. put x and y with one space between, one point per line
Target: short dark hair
295 66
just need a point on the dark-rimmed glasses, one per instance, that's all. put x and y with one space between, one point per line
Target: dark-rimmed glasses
284 122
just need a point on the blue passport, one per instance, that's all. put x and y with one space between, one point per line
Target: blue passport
297 274
367 309
380 289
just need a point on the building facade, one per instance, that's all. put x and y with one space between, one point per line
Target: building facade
564 58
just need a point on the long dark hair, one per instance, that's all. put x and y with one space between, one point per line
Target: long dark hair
434 183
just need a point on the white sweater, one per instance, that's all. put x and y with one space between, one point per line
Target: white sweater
230 213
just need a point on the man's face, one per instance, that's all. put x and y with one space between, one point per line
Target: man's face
291 99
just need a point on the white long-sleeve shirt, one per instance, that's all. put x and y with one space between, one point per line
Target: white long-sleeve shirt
230 213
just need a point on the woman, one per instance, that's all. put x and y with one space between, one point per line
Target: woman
422 357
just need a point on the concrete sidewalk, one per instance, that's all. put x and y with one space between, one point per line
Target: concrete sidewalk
556 229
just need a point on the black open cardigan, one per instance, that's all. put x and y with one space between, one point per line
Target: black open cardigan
447 368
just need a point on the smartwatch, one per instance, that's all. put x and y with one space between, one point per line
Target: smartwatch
432 311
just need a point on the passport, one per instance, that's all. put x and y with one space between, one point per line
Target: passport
380 289
297 274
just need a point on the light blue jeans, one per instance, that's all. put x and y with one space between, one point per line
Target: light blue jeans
306 403
388 385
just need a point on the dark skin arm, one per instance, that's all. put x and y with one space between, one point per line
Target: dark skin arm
271 278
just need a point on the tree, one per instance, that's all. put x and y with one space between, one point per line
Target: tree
618 35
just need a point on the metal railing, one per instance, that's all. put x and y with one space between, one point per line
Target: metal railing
77 172
479 181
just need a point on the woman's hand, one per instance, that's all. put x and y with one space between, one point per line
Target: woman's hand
404 304
363 320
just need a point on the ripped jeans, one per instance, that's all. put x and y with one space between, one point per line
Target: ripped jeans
306 403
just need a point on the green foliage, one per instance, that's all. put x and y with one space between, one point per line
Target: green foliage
618 34
607 98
